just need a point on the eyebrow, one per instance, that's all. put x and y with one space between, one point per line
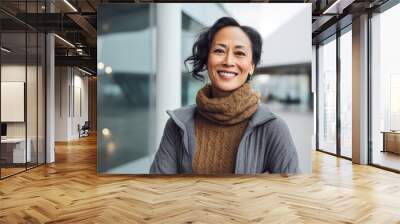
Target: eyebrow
237 46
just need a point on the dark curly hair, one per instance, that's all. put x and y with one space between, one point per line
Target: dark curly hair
201 47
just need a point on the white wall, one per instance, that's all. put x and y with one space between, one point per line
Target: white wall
68 83
291 43
79 117
284 27
61 103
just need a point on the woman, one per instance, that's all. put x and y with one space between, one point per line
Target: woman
228 130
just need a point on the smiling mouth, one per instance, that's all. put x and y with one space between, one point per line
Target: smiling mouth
227 74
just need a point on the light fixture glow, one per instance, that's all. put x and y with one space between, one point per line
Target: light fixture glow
5 49
70 5
106 132
108 70
111 147
64 40
100 65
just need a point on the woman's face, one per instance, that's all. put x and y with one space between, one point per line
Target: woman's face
229 60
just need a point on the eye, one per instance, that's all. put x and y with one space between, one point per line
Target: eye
218 51
240 53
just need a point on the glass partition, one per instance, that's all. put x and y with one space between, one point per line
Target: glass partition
13 105
22 91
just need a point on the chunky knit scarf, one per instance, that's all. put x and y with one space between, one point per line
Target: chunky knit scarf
219 126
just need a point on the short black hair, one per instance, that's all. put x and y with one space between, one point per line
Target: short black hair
201 47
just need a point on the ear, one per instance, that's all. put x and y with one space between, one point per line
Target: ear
253 67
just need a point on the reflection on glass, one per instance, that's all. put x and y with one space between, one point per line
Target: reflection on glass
346 94
327 97
385 86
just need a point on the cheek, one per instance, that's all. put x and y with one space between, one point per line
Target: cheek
246 67
211 67
212 64
212 61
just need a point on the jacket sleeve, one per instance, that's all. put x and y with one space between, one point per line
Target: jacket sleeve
165 160
282 154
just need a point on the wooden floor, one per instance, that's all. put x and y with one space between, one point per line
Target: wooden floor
5 172
70 191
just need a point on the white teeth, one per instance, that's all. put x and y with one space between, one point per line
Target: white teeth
227 74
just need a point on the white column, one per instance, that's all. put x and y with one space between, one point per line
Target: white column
314 93
360 90
50 92
50 99
168 64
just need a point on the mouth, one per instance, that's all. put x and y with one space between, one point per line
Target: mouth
227 74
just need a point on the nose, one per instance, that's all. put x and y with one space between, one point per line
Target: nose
228 60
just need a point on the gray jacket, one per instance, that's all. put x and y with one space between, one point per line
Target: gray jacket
266 145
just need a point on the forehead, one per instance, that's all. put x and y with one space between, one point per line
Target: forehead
233 36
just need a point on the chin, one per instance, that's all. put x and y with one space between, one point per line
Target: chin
228 87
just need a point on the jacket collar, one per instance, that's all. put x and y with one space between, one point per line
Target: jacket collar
184 116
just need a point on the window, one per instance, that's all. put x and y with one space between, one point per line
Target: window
346 93
327 96
385 89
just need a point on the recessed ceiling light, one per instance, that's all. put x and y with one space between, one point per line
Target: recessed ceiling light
5 49
84 71
70 5
64 40
338 6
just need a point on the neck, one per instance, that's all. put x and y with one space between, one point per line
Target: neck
215 93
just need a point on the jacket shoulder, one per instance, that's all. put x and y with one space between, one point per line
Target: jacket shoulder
182 115
262 115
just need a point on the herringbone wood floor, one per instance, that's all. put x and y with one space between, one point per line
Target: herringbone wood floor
70 191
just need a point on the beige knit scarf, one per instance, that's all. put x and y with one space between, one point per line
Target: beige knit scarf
219 127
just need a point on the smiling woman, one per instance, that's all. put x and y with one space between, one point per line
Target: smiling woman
229 60
228 130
